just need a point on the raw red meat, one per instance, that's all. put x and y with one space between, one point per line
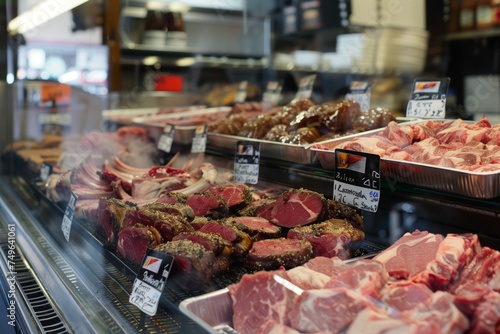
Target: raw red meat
111 213
328 266
329 238
260 208
306 278
341 211
189 258
297 207
326 310
275 253
454 253
181 210
167 225
87 209
365 277
134 241
257 228
158 181
211 241
208 205
405 297
256 299
271 326
240 240
410 254
236 196
397 135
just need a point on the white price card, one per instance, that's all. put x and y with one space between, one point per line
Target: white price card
68 216
55 118
272 95
151 280
199 143
360 91
166 138
246 162
241 94
306 86
357 179
428 98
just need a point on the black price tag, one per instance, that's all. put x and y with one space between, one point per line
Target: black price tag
272 95
45 171
357 179
246 162
306 86
360 92
428 98
199 143
167 138
68 216
241 94
151 280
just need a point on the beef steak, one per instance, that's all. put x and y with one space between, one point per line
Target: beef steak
297 207
274 253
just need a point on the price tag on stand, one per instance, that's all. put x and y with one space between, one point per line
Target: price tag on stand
272 95
357 179
166 138
246 162
45 171
241 94
150 281
68 216
360 92
306 86
428 98
199 143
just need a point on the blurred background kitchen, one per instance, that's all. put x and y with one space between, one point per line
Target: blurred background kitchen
138 53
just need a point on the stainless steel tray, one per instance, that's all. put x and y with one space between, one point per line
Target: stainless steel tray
183 133
455 181
268 149
214 310
302 154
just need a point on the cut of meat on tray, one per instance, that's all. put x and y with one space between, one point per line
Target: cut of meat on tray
365 277
306 278
410 254
236 196
134 241
211 241
257 228
329 238
324 265
111 213
158 181
240 240
256 299
190 258
455 252
297 207
271 254
167 225
208 205
405 297
312 310
338 210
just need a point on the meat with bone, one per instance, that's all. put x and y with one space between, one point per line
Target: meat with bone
189 258
167 225
256 299
410 254
365 277
454 253
306 278
178 209
87 210
271 254
405 297
111 213
329 238
328 266
133 242
240 240
257 228
236 196
158 181
297 207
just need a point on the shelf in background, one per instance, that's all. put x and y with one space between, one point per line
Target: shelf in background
473 34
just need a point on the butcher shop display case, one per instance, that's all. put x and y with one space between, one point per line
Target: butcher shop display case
156 212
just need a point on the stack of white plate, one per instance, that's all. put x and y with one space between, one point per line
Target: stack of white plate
395 49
